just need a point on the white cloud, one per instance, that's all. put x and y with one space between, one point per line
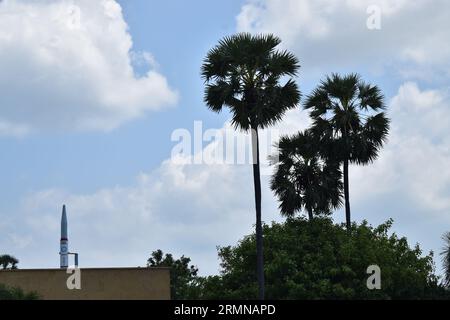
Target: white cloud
67 65
410 182
16 130
180 207
414 163
329 34
183 209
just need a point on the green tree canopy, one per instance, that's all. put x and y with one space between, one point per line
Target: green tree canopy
8 262
182 275
321 260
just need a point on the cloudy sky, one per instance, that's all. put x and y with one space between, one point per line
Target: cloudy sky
93 90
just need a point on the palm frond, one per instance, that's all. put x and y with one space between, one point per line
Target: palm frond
446 259
337 108
275 101
243 73
370 97
219 94
303 180
280 64
342 88
318 102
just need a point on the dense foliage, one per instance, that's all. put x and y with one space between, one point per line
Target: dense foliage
183 277
8 262
321 260
7 293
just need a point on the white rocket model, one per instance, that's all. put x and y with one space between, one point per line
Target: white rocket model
64 243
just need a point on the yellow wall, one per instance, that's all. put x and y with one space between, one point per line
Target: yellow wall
101 283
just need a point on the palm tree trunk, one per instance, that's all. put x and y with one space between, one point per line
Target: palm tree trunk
347 196
310 215
259 232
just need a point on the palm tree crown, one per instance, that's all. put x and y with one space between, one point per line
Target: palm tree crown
303 180
350 113
348 116
243 72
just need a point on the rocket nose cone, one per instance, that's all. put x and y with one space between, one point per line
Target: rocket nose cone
64 223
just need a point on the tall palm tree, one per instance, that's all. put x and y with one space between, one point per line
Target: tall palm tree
8 262
303 180
348 117
245 73
446 259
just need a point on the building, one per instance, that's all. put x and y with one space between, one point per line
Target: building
94 284
68 283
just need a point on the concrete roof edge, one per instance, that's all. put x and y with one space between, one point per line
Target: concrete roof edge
91 268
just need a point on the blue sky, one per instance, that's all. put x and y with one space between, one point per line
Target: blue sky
84 124
78 161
